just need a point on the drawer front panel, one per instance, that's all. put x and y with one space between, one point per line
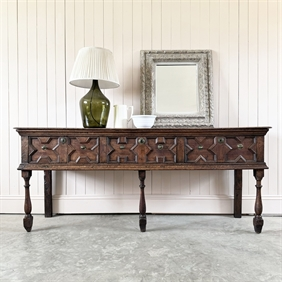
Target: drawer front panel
121 150
197 150
162 150
83 150
46 150
51 150
244 149
220 149
141 150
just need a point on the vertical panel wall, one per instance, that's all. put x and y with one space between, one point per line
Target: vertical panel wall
39 43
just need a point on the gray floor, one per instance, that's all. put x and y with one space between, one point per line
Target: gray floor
111 248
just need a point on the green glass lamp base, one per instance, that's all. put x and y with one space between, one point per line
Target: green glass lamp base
94 108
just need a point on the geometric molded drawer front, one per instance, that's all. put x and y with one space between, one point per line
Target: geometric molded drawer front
83 150
141 150
197 150
234 149
243 150
120 150
50 150
162 150
44 150
220 149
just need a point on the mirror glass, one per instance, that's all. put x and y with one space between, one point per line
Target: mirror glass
176 86
184 78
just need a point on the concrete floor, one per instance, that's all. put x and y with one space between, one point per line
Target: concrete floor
111 248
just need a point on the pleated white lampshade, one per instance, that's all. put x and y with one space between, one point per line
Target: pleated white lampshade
94 63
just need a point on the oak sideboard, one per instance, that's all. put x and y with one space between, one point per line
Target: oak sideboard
51 149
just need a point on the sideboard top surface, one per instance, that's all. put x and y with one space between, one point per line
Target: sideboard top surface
199 131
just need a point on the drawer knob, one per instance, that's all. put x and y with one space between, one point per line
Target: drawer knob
141 141
200 147
220 140
160 146
63 140
83 147
44 147
240 146
122 147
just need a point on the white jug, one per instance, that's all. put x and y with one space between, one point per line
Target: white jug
121 115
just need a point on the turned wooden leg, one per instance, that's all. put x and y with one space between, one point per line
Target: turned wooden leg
48 193
142 203
258 221
28 219
237 193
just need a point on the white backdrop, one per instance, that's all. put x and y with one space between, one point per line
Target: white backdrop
39 43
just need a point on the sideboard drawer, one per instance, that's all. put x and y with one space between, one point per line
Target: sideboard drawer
243 149
83 150
52 150
162 150
141 150
197 150
47 150
219 149
121 150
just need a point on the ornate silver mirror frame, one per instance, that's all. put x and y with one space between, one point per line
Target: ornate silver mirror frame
200 62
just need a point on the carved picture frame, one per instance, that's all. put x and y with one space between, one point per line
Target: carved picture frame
149 59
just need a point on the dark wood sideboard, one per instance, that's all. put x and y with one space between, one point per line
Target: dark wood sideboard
235 149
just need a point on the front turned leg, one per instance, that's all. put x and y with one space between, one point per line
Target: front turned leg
238 193
48 193
142 203
28 219
258 221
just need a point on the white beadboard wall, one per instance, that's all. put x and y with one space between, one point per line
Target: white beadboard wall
39 43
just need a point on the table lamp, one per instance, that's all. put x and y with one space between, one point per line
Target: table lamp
94 68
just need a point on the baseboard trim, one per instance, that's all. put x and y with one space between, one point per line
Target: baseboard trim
170 204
